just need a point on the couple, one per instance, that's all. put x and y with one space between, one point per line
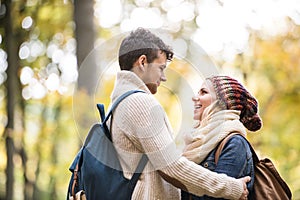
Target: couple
140 125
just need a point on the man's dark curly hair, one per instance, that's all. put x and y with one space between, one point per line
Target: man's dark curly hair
141 42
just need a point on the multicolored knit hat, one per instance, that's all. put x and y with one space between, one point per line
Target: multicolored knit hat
235 97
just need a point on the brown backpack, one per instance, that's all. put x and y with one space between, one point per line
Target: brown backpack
268 185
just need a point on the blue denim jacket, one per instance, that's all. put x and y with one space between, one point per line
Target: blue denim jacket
235 160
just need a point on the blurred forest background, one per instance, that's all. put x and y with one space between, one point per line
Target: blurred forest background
44 95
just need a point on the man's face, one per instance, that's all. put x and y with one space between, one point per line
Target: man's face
155 72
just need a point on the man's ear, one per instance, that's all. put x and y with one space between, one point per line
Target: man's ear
139 64
142 60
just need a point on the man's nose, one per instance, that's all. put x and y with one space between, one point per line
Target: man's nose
163 77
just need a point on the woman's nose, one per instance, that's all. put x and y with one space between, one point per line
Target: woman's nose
195 98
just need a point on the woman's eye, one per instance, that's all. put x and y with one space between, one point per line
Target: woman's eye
202 92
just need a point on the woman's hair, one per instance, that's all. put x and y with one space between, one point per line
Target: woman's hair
141 42
232 95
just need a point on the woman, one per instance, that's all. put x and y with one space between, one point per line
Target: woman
223 106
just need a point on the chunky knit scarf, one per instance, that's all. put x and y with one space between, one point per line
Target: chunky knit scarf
216 124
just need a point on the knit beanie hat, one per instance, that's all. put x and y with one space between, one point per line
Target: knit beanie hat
234 96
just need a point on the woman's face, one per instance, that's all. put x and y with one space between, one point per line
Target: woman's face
203 99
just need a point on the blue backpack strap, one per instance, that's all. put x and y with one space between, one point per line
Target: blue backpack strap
101 111
121 98
139 169
142 163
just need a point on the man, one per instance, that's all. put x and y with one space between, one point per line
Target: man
140 125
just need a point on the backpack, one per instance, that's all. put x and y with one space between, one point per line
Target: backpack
268 184
96 169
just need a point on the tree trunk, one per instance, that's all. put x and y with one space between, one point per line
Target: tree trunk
11 87
85 37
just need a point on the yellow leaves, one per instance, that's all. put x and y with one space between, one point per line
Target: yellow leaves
273 71
54 19
180 66
55 15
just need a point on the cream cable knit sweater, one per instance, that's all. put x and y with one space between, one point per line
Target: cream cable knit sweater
141 125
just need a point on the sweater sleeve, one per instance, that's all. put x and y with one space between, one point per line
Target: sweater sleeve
144 120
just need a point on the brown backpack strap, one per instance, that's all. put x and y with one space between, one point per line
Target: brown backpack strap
222 144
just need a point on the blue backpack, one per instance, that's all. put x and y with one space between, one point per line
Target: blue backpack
96 169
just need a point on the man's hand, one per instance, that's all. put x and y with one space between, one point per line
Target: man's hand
246 192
